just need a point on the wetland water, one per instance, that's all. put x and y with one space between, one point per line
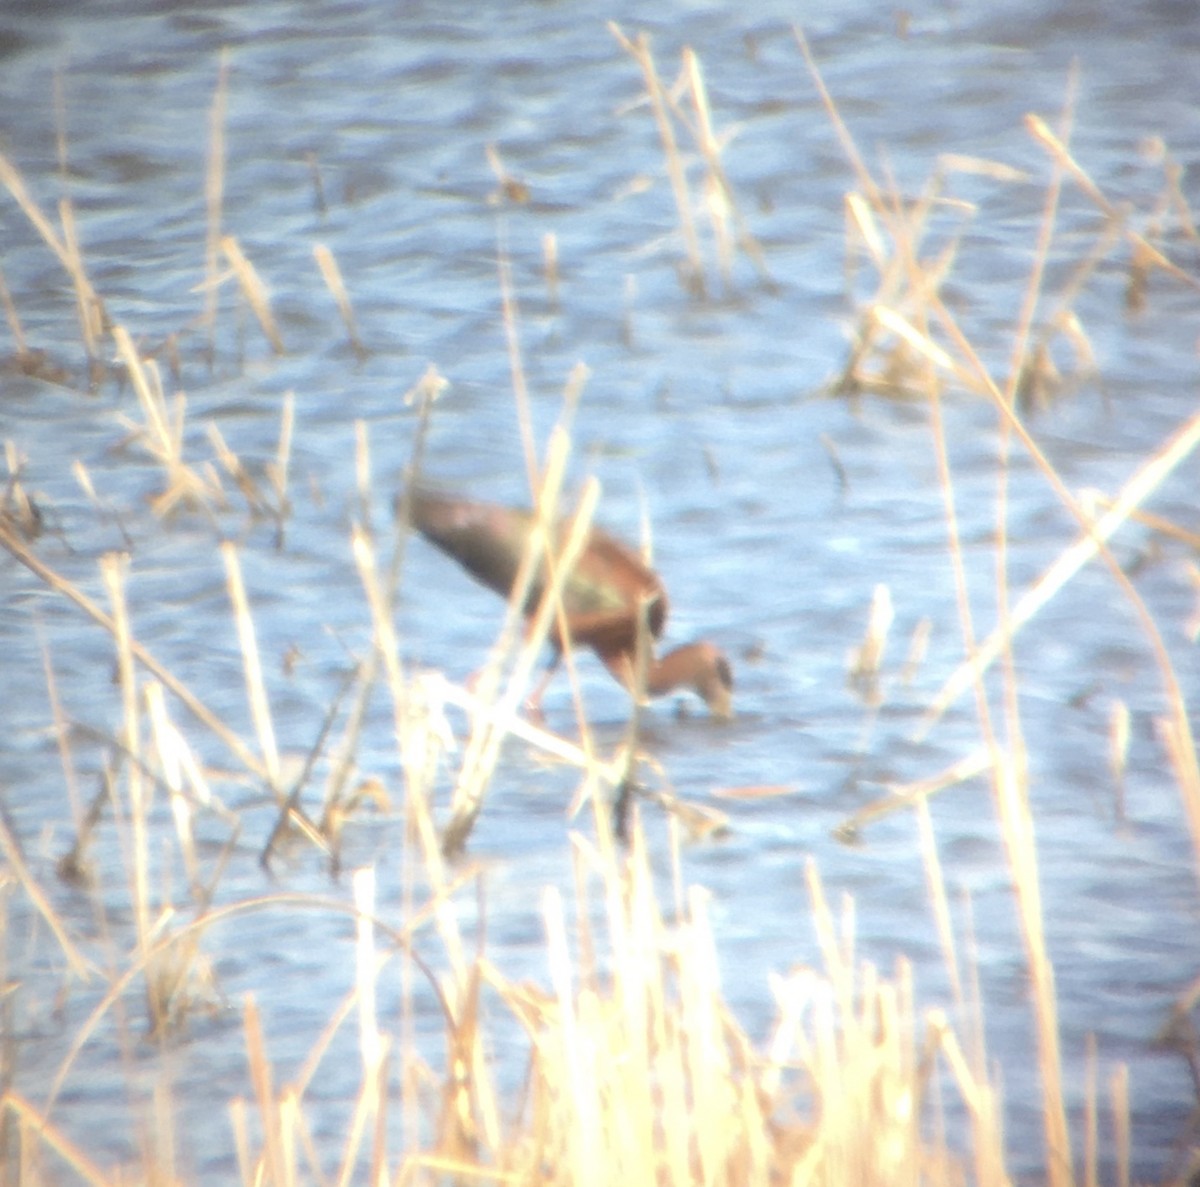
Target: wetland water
777 508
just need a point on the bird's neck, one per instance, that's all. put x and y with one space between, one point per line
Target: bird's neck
676 669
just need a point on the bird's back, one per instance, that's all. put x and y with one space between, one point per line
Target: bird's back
602 594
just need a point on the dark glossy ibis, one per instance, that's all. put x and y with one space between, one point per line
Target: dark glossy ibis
602 597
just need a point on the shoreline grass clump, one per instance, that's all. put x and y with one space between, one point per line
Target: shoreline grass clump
636 1068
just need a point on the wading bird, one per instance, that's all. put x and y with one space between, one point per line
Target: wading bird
604 596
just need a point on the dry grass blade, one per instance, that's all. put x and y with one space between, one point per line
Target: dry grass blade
253 290
509 721
332 275
277 470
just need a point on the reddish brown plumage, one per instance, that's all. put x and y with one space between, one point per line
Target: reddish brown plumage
602 596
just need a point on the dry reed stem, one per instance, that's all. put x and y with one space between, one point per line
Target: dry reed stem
164 443
20 871
640 51
1091 499
274 1166
14 320
87 304
1091 1129
721 195
277 471
1012 796
113 574
572 394
253 290
214 193
35 1131
65 250
866 660
170 748
935 880
906 795
866 181
549 268
1042 134
1025 319
1122 1137
510 721
71 865
162 434
1181 751
1144 482
256 694
483 747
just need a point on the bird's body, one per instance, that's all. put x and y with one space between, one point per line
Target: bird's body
604 597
